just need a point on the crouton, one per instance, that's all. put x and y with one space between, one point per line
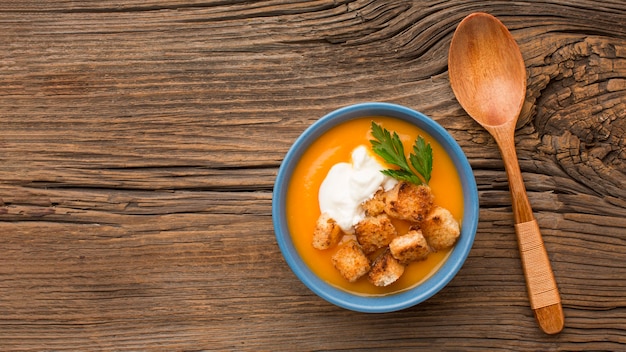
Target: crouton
375 205
374 232
351 261
408 201
385 270
440 228
327 232
409 247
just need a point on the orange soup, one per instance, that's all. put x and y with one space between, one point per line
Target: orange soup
336 145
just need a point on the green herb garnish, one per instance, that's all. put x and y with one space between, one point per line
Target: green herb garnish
390 148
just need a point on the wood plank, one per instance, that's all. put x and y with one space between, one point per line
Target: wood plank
140 141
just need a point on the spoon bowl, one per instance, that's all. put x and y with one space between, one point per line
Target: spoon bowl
487 71
488 78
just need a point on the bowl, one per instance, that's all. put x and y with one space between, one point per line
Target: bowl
408 297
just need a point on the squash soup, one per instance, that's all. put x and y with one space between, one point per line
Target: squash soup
335 146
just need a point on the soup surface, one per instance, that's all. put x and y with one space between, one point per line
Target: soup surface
336 145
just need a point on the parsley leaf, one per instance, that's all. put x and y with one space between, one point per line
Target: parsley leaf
422 160
390 148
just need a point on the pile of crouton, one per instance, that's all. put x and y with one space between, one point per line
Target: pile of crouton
376 249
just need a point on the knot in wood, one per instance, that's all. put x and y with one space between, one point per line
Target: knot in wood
581 112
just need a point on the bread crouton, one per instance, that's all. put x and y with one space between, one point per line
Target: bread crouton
374 232
351 261
385 270
327 232
375 205
440 228
408 201
409 247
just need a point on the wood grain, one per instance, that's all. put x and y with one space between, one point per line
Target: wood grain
140 140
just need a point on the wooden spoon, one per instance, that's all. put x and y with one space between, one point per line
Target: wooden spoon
488 77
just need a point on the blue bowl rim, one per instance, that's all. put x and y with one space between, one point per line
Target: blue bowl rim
405 298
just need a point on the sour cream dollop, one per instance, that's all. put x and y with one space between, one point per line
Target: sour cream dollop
348 185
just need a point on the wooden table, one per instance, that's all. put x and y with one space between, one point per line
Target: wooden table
140 140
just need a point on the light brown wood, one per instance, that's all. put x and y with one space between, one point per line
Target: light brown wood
140 140
551 318
488 77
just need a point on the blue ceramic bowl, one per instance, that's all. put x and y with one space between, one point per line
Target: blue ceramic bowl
406 298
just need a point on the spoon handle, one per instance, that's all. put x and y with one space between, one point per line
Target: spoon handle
542 290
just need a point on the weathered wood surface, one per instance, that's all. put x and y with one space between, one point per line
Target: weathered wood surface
139 143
